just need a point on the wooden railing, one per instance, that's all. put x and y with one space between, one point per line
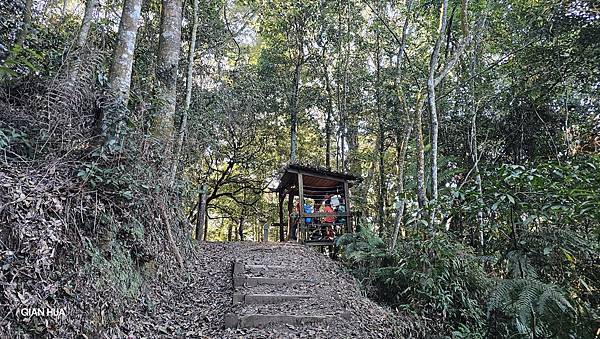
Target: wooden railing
303 227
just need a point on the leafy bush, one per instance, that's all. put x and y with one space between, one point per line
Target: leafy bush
534 309
540 225
14 142
437 278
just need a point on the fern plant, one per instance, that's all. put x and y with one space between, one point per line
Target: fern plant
436 278
363 252
66 108
535 309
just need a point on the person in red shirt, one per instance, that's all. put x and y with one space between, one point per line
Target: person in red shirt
330 219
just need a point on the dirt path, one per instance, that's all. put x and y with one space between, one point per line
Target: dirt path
317 298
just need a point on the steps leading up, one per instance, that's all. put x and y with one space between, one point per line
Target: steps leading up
262 320
266 298
255 281
281 298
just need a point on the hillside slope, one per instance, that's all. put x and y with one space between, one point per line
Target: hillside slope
195 301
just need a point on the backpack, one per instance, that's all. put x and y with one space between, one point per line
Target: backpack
308 209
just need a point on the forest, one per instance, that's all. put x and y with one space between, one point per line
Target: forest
142 144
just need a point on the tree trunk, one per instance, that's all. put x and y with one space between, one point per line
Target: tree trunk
329 114
400 56
205 227
338 80
188 92
365 187
122 64
400 162
27 13
294 105
348 130
74 68
230 231
119 76
241 228
380 144
169 45
170 238
421 192
201 213
474 149
433 63
86 23
402 140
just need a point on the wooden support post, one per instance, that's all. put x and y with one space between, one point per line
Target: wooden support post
266 232
280 200
289 219
347 203
301 195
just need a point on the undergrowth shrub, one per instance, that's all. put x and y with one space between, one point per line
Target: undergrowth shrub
518 258
534 309
438 279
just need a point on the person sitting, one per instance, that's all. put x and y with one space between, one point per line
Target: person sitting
328 219
308 209
295 220
317 208
330 235
341 210
335 201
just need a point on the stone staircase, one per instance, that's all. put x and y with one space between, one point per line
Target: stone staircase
286 293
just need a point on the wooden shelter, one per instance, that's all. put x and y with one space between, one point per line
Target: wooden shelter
321 212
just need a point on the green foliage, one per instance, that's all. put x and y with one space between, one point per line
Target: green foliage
535 308
118 270
42 51
364 252
14 142
20 60
116 179
361 246
125 181
541 227
526 87
437 278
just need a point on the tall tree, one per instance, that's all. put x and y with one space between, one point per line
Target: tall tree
433 63
380 144
122 63
402 138
27 14
82 40
119 76
201 213
86 23
169 45
188 91
329 110
298 24
420 149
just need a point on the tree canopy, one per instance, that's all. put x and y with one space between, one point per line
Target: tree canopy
474 126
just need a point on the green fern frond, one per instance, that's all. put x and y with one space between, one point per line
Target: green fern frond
527 299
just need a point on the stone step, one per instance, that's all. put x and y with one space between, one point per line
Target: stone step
249 281
266 298
238 268
254 268
262 320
